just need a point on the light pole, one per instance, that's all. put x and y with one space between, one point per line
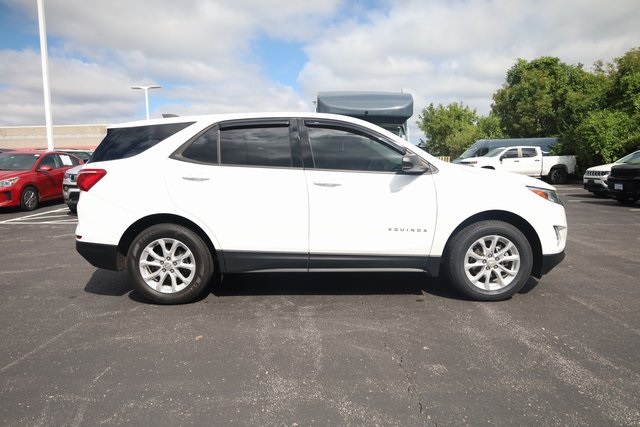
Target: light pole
44 56
146 94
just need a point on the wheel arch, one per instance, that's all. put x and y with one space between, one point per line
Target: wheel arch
510 218
143 223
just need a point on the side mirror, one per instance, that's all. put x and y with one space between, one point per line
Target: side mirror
45 168
413 164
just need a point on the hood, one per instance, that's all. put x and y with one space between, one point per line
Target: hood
12 174
479 174
601 168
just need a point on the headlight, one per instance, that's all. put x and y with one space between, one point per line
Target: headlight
550 195
8 182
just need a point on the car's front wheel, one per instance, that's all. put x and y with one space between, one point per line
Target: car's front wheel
170 264
29 199
489 260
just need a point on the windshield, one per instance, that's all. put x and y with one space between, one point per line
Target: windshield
633 158
494 152
17 162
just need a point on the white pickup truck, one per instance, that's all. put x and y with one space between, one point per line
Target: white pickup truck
527 161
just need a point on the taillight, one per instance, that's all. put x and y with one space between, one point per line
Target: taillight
87 178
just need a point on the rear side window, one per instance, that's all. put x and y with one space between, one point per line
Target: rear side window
204 149
121 143
262 145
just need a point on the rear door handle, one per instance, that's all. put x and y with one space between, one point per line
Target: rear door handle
327 184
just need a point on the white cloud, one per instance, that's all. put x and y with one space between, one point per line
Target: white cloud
202 52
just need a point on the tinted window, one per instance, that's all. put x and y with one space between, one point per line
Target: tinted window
511 154
121 143
528 152
204 148
49 160
256 146
346 150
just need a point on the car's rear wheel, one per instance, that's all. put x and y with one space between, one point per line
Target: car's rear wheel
29 199
489 260
170 264
558 176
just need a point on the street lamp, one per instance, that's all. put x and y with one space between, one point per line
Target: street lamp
146 94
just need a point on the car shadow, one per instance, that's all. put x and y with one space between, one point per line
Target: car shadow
112 283
109 283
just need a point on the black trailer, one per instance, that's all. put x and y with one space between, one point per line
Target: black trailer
389 110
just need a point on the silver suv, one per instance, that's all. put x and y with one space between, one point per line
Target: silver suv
70 191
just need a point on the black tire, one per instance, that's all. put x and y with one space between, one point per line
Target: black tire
29 199
166 252
487 279
558 176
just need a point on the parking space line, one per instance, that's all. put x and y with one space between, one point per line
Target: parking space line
48 217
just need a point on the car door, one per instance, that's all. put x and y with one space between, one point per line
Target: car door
530 161
363 210
510 160
46 179
245 181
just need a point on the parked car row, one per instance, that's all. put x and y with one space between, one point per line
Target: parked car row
620 180
28 178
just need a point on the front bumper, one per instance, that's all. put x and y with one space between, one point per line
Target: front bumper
594 184
549 262
8 198
625 188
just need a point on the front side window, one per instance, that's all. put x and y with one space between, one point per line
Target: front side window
259 145
49 160
512 153
347 150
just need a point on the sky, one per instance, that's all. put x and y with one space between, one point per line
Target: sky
214 56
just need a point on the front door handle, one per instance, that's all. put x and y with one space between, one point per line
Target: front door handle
327 184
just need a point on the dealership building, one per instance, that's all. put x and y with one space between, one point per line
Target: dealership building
71 136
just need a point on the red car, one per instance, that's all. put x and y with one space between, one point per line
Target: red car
30 177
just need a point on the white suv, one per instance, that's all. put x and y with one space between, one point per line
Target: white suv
178 200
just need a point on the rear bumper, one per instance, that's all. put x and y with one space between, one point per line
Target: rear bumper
101 256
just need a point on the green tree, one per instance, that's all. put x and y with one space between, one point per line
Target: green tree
612 131
443 127
604 136
453 128
546 97
624 92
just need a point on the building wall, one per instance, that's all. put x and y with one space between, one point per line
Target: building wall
71 136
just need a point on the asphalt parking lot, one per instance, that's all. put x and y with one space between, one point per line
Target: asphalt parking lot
80 347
